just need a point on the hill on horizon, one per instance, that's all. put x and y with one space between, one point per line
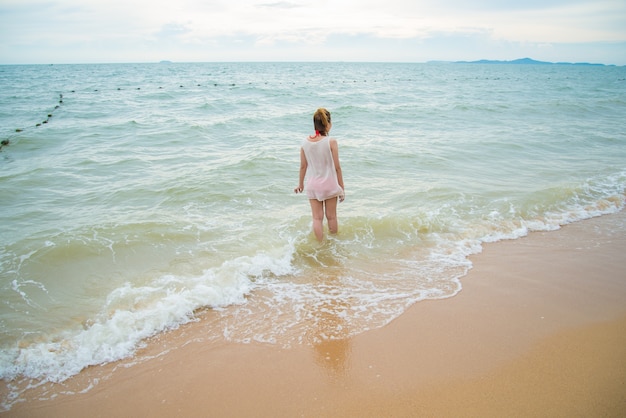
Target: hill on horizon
524 61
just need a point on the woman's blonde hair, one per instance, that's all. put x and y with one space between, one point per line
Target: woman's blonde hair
321 121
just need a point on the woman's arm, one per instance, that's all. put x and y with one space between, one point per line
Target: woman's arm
334 149
303 167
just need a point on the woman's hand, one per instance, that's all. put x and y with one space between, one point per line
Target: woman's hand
298 189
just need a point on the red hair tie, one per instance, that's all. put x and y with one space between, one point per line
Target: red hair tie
317 132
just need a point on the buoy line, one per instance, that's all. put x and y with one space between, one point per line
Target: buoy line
5 142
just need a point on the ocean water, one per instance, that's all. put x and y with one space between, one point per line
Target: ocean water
136 198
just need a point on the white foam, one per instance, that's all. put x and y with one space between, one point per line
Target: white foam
133 313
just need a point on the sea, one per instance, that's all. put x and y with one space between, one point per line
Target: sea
137 198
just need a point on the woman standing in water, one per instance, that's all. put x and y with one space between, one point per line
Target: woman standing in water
319 162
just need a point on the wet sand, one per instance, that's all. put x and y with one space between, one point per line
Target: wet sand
539 329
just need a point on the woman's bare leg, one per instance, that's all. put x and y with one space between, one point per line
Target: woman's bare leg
331 215
317 210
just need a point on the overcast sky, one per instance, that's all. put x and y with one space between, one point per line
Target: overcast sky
97 31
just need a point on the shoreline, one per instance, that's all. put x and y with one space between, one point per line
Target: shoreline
538 329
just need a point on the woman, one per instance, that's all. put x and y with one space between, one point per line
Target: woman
319 162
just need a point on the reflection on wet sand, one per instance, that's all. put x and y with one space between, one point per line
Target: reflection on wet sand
330 339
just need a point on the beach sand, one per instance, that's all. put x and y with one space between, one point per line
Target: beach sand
539 329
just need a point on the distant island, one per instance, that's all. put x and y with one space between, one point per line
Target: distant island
526 61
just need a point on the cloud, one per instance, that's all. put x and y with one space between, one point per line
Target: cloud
183 27
173 31
280 5
530 21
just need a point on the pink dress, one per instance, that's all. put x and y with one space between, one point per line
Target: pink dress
321 176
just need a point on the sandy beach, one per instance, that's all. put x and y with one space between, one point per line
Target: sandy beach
539 329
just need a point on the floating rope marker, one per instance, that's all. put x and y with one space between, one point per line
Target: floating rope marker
181 85
7 141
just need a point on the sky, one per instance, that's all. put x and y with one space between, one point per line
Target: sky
120 31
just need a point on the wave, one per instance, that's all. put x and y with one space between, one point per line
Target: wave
402 258
133 313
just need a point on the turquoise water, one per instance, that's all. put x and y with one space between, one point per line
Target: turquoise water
154 192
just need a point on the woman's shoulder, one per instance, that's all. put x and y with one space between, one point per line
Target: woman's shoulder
315 139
